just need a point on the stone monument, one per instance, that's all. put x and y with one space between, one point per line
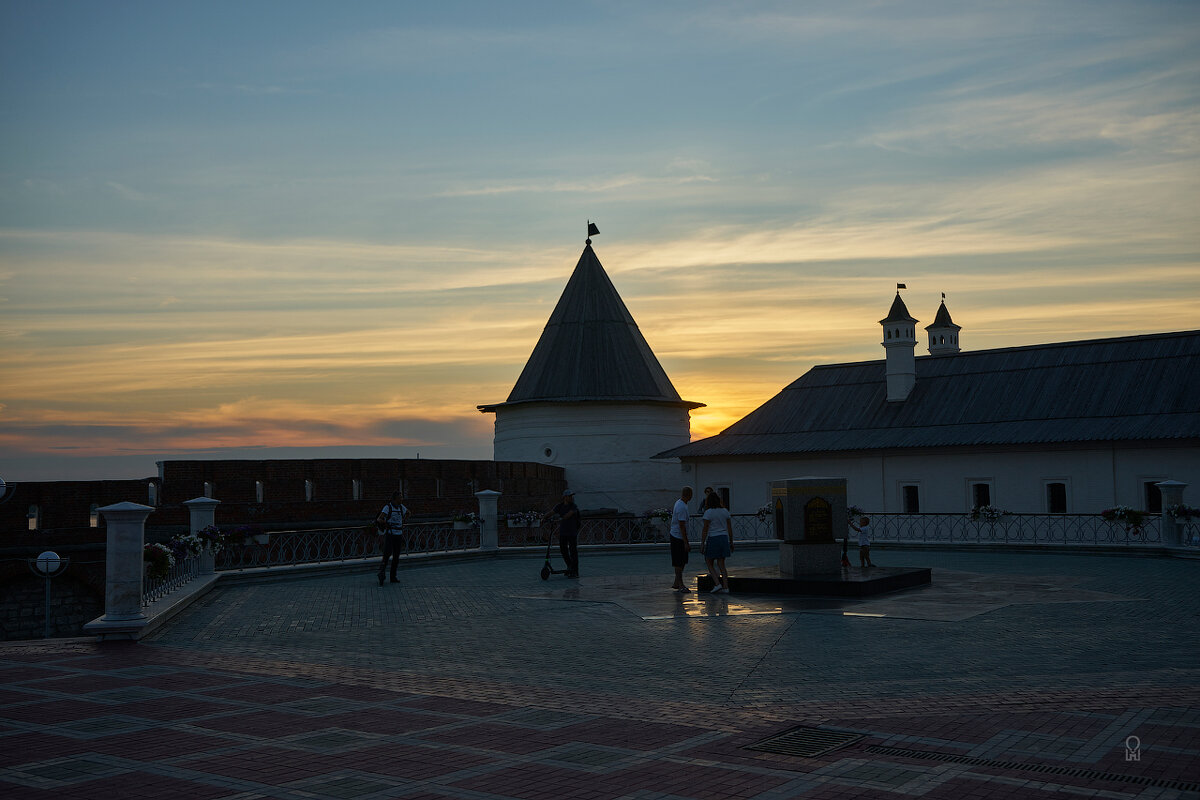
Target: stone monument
810 518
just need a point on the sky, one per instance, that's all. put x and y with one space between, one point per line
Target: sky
307 229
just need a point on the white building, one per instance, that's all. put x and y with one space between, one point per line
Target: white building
594 400
1072 427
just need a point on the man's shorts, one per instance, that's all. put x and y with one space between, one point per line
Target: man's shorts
679 555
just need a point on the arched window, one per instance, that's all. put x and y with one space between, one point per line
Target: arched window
94 515
356 489
258 491
308 490
151 493
209 489
34 515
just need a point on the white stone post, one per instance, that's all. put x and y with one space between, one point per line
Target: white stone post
489 530
203 512
1172 495
124 568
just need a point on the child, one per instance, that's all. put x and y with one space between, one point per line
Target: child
864 541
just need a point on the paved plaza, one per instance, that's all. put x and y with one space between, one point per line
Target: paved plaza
1014 675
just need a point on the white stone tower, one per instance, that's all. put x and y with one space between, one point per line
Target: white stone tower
943 333
900 344
594 400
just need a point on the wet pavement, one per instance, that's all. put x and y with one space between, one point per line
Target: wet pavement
1013 675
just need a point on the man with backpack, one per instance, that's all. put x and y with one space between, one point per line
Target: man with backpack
390 524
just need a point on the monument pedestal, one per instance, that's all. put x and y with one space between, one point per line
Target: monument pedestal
805 558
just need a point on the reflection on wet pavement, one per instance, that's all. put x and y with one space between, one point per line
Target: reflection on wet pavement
953 597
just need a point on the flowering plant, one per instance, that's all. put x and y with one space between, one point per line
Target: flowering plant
209 538
524 519
854 512
468 517
987 513
764 512
158 559
1131 517
660 513
1183 513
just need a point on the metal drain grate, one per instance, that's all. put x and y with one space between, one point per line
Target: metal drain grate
806 742
1050 769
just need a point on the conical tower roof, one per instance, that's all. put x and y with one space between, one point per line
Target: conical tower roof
898 312
591 350
942 320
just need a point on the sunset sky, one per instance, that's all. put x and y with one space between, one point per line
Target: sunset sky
308 229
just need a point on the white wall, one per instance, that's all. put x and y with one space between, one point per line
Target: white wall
604 448
1096 476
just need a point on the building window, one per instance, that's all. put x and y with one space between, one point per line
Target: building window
258 491
209 489
981 494
308 491
910 495
151 493
94 516
34 515
356 489
1056 498
1153 497
723 491
437 487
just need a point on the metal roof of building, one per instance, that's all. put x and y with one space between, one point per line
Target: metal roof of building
591 350
1120 389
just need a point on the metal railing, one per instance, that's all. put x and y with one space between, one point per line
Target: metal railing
632 530
325 545
1023 529
184 571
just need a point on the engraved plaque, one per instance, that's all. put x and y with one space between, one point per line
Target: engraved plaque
818 521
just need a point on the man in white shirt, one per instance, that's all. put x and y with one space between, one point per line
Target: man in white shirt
680 546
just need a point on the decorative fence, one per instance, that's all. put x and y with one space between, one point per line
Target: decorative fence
631 530
327 545
1023 529
185 570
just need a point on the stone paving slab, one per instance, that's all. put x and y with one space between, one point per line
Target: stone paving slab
479 681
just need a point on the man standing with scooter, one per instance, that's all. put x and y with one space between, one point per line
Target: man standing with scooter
568 532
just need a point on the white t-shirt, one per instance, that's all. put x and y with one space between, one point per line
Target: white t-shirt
395 517
864 535
718 521
680 514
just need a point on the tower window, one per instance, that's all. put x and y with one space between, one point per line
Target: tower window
1056 498
34 515
258 491
94 516
308 490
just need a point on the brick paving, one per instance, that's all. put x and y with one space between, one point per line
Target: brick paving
1014 676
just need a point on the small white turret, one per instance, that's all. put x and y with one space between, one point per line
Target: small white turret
900 344
943 333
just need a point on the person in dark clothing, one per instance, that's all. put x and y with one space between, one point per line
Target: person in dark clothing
391 517
568 532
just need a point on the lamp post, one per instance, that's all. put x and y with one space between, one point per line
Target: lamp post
49 565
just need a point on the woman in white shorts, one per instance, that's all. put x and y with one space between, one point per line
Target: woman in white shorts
716 542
